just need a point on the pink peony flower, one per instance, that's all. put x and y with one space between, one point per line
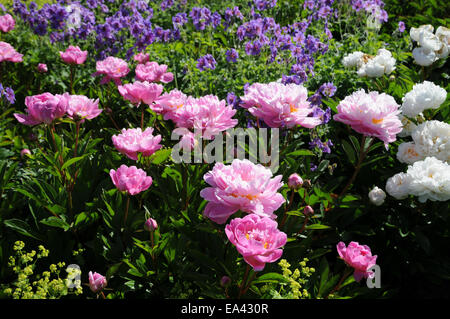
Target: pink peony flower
280 105
358 257
8 53
207 113
131 179
97 282
153 72
241 186
81 107
43 108
168 103
257 239
142 58
42 68
371 114
113 69
133 141
140 92
73 55
6 23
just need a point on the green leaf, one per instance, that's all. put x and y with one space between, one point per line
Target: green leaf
317 226
21 227
72 161
160 156
55 222
349 151
272 277
301 153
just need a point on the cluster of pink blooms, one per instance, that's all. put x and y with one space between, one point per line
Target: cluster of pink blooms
371 114
131 180
153 72
73 55
8 53
358 257
249 188
280 105
7 23
46 107
133 141
141 57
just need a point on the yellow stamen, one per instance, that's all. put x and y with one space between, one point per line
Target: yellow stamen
293 108
377 121
247 236
266 244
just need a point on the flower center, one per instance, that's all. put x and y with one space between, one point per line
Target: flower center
377 121
293 108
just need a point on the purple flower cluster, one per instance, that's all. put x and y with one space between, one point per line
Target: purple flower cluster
231 15
323 146
202 17
8 94
373 7
232 55
233 100
264 4
206 62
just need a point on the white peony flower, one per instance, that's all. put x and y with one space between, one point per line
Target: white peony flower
443 34
415 32
353 59
429 41
432 138
426 95
374 67
407 153
424 57
430 180
377 196
398 185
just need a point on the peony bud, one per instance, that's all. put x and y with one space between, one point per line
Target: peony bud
24 152
308 211
307 183
377 196
295 181
151 224
42 68
225 281
97 282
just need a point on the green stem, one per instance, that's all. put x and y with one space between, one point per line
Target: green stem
291 199
241 287
126 210
338 286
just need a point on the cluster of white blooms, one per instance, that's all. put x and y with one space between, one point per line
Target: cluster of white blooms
423 96
431 46
371 66
428 179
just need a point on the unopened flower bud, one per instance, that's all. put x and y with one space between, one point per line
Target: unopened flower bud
377 196
24 152
151 224
108 110
97 282
295 181
42 68
225 281
308 211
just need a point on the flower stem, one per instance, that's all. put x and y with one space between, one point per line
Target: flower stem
241 287
287 208
362 154
126 210
71 78
142 118
338 286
